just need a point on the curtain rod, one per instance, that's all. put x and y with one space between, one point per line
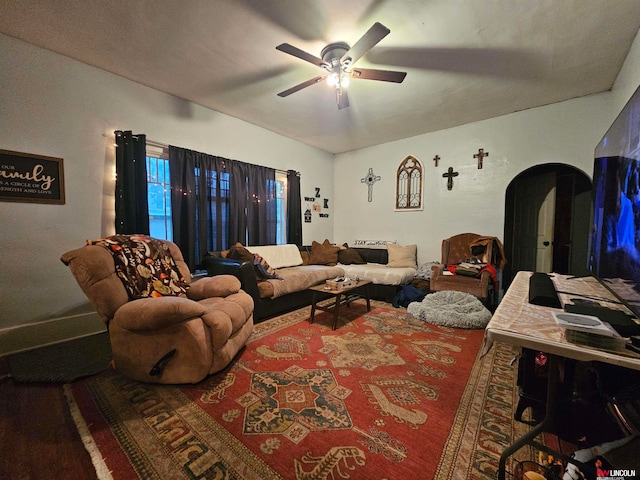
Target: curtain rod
154 143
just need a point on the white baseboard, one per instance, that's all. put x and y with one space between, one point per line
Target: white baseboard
57 330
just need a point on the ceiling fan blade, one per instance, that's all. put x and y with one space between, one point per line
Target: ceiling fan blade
302 85
301 54
343 99
376 33
382 75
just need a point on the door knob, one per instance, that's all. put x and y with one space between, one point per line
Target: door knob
546 244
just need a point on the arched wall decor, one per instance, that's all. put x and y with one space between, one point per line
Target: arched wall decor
409 185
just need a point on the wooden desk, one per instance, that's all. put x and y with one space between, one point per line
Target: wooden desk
524 325
342 295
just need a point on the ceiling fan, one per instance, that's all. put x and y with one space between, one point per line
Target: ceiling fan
338 60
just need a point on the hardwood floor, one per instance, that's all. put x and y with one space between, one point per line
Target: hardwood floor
38 438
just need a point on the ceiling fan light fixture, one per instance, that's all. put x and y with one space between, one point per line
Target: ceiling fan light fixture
338 59
333 79
338 80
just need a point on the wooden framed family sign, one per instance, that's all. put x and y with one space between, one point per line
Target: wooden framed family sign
25 177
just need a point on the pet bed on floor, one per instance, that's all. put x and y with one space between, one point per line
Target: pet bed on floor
451 309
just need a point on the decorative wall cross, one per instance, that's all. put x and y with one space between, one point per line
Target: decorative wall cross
436 159
480 155
370 179
449 176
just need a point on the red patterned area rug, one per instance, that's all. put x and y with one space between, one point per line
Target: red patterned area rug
384 396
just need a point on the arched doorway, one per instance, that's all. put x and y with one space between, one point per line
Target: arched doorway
547 221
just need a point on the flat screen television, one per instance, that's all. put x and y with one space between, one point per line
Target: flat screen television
614 250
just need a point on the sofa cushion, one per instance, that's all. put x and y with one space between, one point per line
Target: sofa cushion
374 255
402 255
217 286
323 253
380 274
279 256
265 289
349 256
297 279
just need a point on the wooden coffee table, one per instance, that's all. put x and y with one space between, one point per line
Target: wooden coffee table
342 295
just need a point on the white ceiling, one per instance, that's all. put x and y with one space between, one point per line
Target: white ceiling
466 60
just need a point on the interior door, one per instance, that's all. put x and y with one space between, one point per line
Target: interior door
546 217
530 229
526 229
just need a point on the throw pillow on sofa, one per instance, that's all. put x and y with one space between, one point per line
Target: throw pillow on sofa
238 252
402 255
349 256
323 253
262 269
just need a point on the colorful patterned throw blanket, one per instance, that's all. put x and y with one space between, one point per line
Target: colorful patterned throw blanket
144 265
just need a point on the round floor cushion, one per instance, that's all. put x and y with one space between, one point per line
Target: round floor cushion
451 309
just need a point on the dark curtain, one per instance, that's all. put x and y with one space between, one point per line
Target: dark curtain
252 196
294 208
182 171
199 203
238 204
132 207
217 202
213 204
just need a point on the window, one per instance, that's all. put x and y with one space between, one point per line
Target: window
217 200
159 192
281 207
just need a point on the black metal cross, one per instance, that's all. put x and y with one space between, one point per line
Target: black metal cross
436 159
370 178
449 176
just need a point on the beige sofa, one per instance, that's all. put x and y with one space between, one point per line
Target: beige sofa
299 268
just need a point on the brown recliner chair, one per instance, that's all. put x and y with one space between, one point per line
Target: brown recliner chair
168 337
457 249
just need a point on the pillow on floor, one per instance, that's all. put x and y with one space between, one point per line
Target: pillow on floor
451 309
